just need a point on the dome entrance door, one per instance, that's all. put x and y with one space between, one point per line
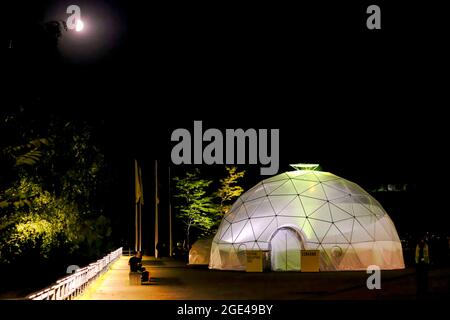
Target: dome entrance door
285 250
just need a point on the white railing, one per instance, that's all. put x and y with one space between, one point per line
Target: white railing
71 286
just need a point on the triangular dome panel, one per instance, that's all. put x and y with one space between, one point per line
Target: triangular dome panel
308 177
320 228
301 185
315 192
279 203
255 193
333 193
268 231
322 213
236 228
338 214
259 225
286 188
271 186
334 236
293 209
311 204
360 234
264 209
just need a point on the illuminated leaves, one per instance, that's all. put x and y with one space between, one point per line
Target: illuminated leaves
229 189
49 186
195 208
29 153
36 219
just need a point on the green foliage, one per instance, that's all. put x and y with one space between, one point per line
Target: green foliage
199 207
50 178
195 208
40 222
27 154
229 189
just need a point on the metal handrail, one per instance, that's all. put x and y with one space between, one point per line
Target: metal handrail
73 285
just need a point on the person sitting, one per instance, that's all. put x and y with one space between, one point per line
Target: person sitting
135 264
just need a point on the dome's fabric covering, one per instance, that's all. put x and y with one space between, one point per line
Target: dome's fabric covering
200 252
307 210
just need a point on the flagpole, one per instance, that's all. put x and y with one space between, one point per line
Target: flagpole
136 239
170 220
140 226
156 209
136 233
141 203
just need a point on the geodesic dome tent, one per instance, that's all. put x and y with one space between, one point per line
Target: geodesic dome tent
200 252
307 209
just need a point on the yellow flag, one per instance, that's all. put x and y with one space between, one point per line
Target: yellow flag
138 183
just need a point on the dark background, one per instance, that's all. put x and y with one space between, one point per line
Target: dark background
368 105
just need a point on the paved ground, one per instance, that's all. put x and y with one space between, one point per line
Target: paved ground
172 280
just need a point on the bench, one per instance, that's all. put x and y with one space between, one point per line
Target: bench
135 278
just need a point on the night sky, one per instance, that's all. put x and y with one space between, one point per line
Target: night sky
366 106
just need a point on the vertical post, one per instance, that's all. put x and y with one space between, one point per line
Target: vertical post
139 202
140 226
156 209
136 229
170 220
141 205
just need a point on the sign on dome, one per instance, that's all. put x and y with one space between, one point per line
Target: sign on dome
310 260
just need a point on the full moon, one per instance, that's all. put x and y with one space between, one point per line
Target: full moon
79 26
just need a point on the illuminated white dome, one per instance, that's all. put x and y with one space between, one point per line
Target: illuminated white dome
307 209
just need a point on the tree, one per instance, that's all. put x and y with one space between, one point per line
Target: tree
34 221
229 190
51 190
195 208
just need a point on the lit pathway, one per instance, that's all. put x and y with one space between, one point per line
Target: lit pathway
114 284
172 280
